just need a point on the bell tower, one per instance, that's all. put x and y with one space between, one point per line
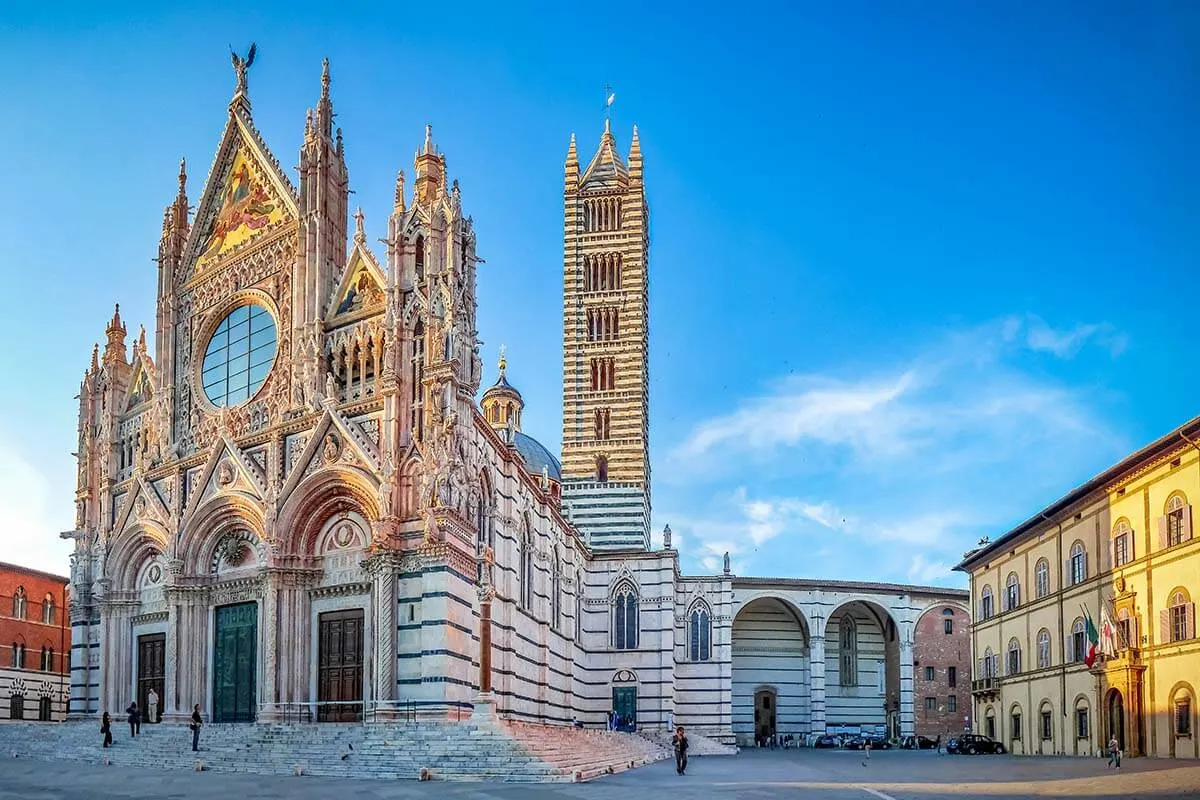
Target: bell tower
606 426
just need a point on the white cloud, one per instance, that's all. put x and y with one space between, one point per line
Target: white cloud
924 571
1066 342
28 532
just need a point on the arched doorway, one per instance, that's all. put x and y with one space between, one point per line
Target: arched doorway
764 716
1116 718
770 671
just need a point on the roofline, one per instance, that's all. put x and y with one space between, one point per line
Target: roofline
813 583
1185 434
4 566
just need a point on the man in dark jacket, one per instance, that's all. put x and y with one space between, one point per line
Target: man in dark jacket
135 719
680 743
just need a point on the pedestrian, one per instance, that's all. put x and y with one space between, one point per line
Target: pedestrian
195 726
680 743
152 707
937 743
106 728
135 719
1114 752
867 748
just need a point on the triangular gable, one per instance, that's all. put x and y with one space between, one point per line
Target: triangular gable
246 197
143 503
607 167
349 447
362 286
141 387
227 470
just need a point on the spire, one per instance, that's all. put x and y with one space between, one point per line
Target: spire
430 169
324 119
428 140
115 325
635 146
95 357
360 235
179 215
141 340
607 163
398 202
503 361
572 153
115 349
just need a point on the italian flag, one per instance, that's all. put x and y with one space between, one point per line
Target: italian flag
1093 640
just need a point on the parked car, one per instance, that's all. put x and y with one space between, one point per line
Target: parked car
828 740
917 743
972 743
860 743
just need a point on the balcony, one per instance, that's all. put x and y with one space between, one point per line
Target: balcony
983 687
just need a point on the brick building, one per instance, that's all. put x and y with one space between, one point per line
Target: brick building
942 670
35 644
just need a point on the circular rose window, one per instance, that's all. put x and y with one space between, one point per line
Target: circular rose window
239 356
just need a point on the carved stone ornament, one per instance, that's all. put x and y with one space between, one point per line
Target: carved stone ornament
343 535
154 576
139 507
232 551
225 474
332 449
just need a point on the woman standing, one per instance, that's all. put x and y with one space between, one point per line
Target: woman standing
106 728
195 726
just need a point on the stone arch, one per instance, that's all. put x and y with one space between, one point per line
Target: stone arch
210 522
874 697
1183 690
128 553
771 641
319 497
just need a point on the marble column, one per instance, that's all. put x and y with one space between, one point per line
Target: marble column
907 721
269 694
816 666
382 568
170 700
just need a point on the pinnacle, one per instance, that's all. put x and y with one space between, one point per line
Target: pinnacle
428 139
360 235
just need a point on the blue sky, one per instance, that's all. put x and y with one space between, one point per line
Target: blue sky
916 269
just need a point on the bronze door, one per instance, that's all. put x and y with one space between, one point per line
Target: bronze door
340 666
151 667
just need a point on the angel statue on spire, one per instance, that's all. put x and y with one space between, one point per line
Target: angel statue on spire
240 65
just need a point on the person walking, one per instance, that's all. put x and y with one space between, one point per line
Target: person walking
680 744
106 728
1114 752
195 725
135 719
937 743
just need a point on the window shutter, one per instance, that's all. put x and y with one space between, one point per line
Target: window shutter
1068 578
1190 626
1187 523
1085 565
1162 533
1112 555
1164 626
1134 638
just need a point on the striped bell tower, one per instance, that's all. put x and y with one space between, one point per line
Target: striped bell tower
606 451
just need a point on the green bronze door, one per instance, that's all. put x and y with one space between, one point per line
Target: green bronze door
234 663
625 704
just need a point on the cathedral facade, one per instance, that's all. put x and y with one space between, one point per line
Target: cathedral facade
291 505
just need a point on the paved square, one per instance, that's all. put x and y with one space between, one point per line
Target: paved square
825 775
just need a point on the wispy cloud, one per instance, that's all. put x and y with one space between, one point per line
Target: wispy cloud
1066 342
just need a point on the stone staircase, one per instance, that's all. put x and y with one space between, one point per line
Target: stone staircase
585 753
462 751
698 744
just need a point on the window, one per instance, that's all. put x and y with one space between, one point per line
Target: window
1041 578
44 709
1016 725
602 469
700 635
1183 717
526 574
1178 618
18 655
1014 657
1081 723
1047 725
990 726
16 707
1012 592
625 618
948 625
239 356
985 603
847 651
987 666
1125 628
19 603
603 420
556 593
1122 544
603 374
1043 649
931 704
48 610
419 257
1077 644
929 673
418 375
1178 529
952 703
47 659
952 676
1077 564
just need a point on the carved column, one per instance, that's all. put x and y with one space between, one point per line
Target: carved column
270 680
170 698
816 667
382 568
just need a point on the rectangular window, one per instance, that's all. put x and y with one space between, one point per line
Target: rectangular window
1078 648
990 727
930 673
1183 717
1046 726
952 703
1013 597
931 704
952 676
947 626
1179 626
987 606
1016 726
1081 723
1175 527
1126 634
1121 550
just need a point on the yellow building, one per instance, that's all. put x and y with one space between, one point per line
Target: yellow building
1120 549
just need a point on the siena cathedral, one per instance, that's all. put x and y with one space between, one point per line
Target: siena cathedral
292 505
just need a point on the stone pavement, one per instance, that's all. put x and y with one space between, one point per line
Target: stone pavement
755 775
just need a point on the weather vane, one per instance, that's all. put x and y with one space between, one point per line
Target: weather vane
609 97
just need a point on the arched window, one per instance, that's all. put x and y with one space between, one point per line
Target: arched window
1043 649
418 376
1122 544
1014 716
1014 656
700 634
1077 564
1041 578
527 567
947 620
847 651
48 609
419 257
44 709
985 603
47 659
602 469
556 592
1178 619
1012 592
19 603
1181 712
1177 525
625 617
1047 721
1077 643
987 665
18 655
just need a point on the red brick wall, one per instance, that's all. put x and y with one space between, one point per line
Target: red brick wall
32 631
933 647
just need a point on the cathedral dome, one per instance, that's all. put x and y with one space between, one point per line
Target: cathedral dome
537 457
